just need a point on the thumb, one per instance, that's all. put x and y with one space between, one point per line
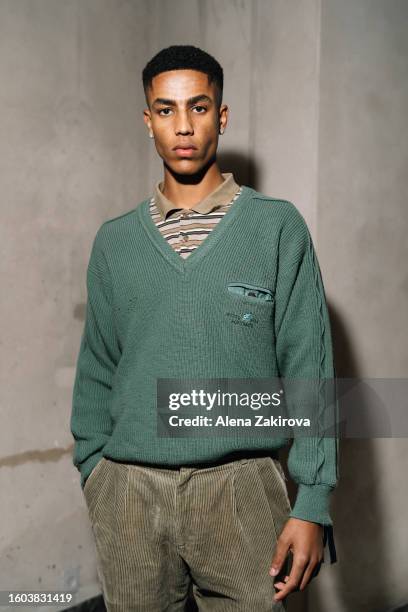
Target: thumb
279 557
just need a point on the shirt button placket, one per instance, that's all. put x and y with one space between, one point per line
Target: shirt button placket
185 215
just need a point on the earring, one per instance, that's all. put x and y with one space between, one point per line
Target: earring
151 135
221 132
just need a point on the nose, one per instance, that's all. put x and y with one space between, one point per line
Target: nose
183 124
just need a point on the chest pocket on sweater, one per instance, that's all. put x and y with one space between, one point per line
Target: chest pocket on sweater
250 305
252 291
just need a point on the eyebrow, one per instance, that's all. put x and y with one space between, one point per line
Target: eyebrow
193 100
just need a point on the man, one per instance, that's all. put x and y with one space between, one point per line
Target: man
203 279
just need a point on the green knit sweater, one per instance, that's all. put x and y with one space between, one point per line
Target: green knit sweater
152 314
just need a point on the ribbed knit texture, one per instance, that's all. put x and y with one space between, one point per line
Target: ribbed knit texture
152 314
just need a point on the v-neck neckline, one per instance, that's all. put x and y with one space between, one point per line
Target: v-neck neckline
183 265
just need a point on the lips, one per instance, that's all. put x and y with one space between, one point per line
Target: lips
185 150
186 147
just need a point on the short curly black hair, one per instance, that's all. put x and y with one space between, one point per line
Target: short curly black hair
184 57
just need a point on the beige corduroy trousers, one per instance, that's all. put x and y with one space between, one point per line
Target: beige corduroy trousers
160 531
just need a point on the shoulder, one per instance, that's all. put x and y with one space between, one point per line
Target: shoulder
115 228
283 211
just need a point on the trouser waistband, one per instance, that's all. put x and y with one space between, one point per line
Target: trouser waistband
226 460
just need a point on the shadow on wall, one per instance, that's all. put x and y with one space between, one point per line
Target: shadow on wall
244 168
360 532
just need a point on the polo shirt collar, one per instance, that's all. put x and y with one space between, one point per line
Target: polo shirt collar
221 195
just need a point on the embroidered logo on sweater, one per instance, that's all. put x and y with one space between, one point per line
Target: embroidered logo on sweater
248 319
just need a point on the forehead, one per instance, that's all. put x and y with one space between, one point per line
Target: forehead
180 84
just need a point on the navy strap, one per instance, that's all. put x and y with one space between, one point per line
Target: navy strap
328 537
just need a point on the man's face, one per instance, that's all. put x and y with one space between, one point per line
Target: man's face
183 112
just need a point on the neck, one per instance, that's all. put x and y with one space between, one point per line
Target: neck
187 190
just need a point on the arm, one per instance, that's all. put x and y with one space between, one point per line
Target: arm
98 358
304 350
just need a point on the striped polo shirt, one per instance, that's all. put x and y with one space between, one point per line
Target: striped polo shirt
185 228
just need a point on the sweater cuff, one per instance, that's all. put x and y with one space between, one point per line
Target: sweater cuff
312 503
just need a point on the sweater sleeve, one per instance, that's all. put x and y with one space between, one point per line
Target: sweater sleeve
304 351
95 368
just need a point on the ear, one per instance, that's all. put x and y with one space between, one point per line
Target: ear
147 118
223 116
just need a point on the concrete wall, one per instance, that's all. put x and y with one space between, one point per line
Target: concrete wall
361 232
318 97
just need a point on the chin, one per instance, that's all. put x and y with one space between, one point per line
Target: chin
185 166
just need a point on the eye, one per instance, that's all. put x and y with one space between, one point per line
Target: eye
166 114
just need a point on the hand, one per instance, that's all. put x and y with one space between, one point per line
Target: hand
305 540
